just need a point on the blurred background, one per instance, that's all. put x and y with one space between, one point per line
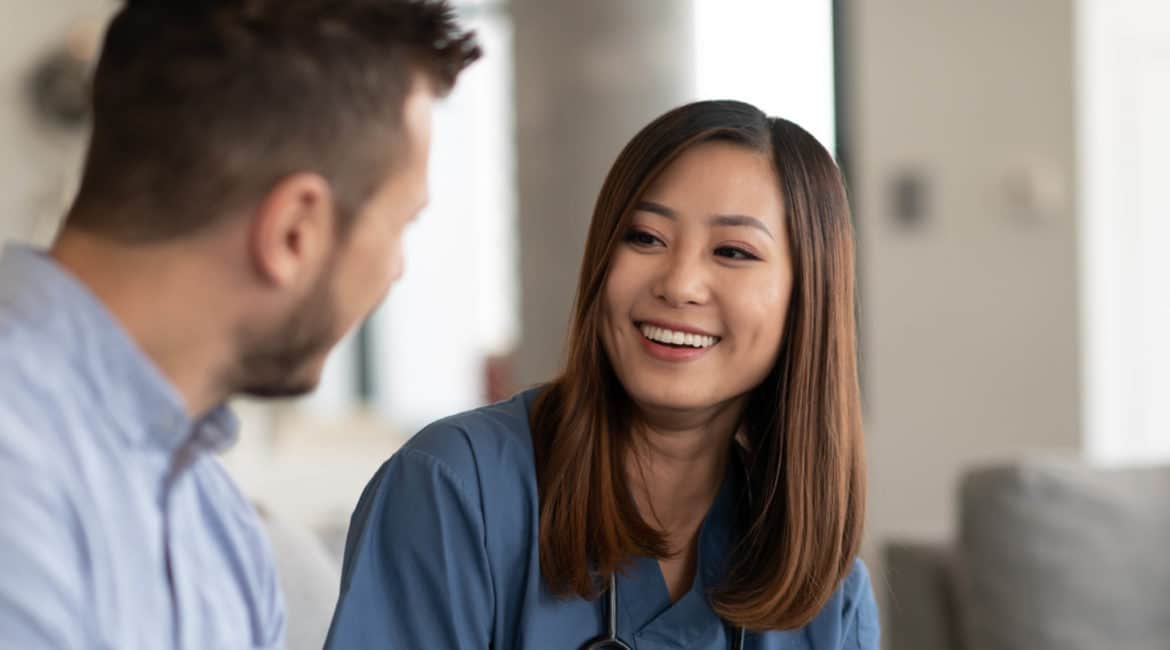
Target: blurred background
1008 164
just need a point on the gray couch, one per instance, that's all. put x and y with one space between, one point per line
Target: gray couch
1048 556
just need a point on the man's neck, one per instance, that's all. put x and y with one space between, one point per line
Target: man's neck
169 309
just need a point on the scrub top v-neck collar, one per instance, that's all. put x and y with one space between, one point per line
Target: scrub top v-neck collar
646 615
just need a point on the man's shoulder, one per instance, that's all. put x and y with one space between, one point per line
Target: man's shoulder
31 386
34 459
28 357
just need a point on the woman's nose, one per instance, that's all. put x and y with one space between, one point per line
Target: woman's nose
683 280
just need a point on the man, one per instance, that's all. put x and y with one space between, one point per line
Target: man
252 166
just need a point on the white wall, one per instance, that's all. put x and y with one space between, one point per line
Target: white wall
38 162
971 319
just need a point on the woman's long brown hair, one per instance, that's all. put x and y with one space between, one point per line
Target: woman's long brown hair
806 471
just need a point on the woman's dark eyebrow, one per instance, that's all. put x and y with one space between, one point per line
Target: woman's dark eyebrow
741 220
717 220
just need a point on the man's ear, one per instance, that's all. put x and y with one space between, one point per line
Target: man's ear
292 229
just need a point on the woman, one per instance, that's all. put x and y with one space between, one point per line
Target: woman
695 476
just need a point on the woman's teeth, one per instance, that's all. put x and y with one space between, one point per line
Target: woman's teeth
671 337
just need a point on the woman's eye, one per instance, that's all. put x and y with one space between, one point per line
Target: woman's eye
641 238
735 253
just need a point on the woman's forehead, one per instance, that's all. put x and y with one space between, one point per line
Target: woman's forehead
716 178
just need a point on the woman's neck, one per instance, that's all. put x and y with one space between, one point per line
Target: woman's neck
676 466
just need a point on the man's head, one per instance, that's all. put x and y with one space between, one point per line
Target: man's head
294 132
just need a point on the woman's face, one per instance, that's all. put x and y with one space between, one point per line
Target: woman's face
698 290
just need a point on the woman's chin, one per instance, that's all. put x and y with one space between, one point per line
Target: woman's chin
679 398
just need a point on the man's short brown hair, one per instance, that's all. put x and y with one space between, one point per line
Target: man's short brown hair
202 106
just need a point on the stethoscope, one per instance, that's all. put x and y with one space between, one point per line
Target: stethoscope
611 641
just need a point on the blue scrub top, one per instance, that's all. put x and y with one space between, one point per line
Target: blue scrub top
443 553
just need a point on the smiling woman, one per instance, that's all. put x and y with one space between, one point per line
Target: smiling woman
700 455
699 259
720 221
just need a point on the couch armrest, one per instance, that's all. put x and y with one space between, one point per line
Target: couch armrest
921 610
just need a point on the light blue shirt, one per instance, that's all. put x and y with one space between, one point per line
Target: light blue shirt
119 529
443 553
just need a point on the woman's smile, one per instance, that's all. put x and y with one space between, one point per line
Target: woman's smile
675 343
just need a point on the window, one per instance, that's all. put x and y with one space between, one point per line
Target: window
775 55
1125 227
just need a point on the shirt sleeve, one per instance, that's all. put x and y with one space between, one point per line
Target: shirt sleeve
41 563
416 571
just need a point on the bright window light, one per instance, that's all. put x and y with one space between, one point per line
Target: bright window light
775 54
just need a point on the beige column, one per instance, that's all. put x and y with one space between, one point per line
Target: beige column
589 74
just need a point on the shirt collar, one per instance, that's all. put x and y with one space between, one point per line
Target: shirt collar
149 410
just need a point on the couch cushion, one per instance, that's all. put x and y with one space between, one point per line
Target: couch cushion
1062 556
920 610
